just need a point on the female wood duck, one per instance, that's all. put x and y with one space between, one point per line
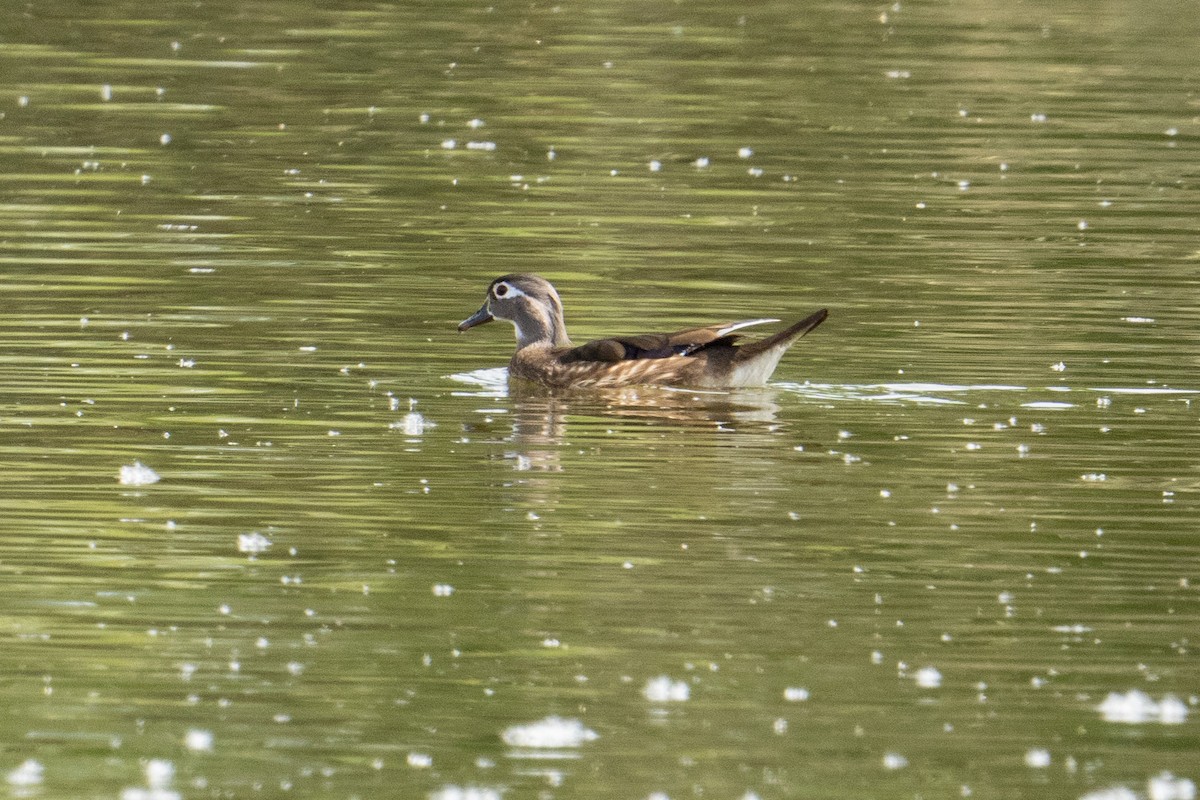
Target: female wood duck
707 357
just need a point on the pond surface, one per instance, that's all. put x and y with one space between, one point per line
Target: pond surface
272 528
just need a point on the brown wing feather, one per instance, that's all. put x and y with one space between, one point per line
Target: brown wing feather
694 339
649 345
658 345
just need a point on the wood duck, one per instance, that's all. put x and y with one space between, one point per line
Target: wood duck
708 357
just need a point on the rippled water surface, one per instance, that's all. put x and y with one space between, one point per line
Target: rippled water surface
273 528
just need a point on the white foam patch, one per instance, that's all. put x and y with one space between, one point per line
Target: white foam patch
466 793
1135 707
198 741
1112 793
1166 786
159 774
1147 390
414 424
30 773
664 690
549 732
917 386
922 393
137 474
491 382
253 542
928 677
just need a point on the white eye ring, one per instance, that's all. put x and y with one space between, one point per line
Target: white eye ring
500 289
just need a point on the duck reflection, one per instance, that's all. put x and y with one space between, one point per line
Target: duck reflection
705 409
543 418
547 422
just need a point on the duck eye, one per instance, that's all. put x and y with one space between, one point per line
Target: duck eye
500 290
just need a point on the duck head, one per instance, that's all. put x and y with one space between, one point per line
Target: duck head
530 303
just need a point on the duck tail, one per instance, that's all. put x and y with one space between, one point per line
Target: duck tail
784 339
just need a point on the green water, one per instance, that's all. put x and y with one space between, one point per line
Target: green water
235 241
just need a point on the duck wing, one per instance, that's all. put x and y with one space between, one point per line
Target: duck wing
659 345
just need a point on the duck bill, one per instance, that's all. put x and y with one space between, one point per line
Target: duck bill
478 318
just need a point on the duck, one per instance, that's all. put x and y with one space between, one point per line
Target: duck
706 357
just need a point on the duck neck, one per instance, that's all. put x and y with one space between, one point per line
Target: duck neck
543 326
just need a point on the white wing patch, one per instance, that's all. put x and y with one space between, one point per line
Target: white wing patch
746 323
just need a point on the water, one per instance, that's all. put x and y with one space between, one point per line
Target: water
949 552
